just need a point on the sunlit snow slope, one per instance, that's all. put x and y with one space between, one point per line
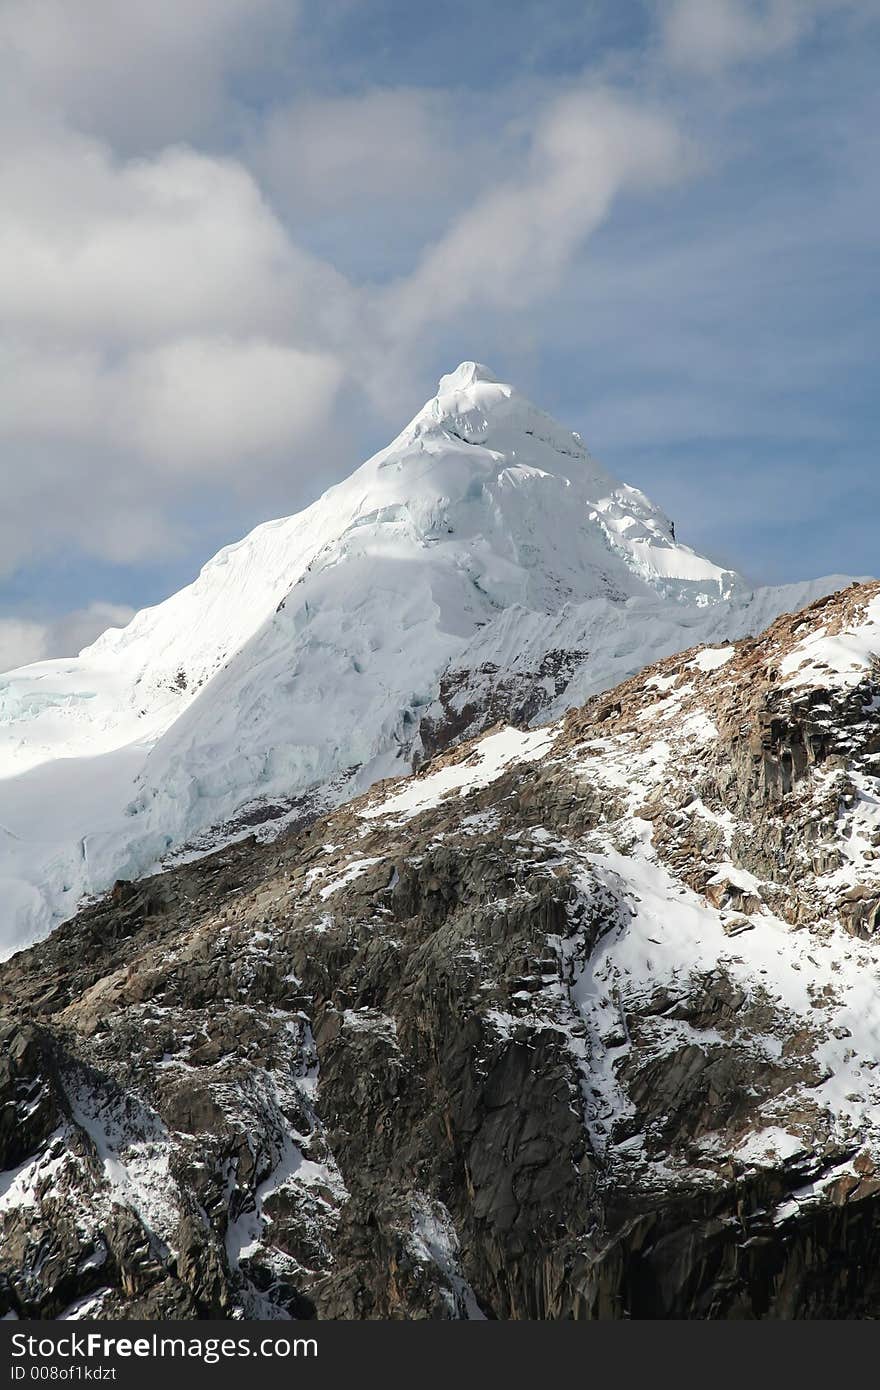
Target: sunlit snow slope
302 658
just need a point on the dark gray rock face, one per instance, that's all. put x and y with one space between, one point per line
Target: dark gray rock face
472 699
450 1059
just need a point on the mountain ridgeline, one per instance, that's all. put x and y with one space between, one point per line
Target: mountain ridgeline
482 567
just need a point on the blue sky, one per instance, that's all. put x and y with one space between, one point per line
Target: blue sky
243 238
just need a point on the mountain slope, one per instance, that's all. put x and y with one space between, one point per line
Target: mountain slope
481 566
580 1021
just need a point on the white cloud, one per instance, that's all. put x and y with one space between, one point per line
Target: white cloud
396 144
140 75
373 176
22 641
190 404
515 241
67 635
213 402
140 249
708 35
159 326
108 456
62 497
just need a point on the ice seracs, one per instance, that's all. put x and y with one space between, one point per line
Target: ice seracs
300 665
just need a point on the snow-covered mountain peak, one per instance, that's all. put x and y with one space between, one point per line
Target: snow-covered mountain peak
466 374
305 661
474 407
482 463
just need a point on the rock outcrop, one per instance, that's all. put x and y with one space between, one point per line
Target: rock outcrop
578 1022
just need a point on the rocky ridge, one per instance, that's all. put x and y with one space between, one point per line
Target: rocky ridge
579 1021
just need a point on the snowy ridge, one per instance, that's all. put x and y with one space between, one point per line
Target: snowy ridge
301 661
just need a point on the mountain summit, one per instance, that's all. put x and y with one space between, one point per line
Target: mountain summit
483 565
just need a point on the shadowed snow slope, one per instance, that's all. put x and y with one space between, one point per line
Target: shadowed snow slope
302 661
